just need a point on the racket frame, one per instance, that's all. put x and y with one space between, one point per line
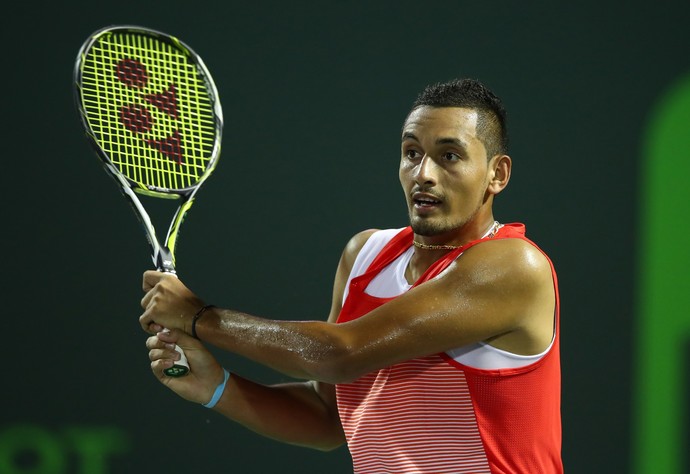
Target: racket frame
162 254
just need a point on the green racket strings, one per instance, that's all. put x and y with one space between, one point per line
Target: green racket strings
149 110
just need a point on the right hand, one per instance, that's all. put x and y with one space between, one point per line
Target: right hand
205 372
167 303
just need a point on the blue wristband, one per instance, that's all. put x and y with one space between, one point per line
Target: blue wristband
219 391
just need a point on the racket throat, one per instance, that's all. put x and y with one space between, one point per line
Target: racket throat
164 260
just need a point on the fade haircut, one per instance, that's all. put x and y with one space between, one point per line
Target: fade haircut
472 94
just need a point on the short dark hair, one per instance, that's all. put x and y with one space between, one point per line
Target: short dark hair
472 94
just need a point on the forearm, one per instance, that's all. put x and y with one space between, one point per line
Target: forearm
292 413
297 413
309 350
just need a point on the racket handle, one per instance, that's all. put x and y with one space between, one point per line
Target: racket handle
163 262
180 367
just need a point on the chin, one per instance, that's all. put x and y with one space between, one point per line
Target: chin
428 228
431 227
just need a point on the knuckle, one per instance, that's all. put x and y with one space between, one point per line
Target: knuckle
155 354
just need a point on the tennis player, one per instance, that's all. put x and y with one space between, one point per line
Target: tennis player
441 350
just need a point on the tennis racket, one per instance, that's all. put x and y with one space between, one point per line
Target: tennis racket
151 111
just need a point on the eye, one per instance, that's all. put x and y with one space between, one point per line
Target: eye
412 154
450 156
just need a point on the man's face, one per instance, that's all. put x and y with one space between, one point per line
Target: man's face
443 169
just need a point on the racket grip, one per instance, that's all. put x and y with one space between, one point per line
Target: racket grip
180 367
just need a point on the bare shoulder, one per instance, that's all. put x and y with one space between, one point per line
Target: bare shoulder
512 278
359 239
516 260
347 260
354 246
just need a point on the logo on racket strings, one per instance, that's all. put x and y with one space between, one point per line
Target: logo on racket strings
138 119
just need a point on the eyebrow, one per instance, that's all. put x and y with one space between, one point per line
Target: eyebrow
409 135
440 141
451 141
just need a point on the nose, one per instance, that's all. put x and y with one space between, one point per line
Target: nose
426 171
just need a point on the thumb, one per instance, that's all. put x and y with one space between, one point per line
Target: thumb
181 338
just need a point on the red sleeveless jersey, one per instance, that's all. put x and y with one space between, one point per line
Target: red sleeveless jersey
435 415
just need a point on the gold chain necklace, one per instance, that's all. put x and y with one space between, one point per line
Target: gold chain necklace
490 234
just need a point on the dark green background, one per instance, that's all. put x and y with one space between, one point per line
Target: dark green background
314 95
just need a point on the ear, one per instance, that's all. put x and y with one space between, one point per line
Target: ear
499 173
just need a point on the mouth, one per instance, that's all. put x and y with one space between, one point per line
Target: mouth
425 201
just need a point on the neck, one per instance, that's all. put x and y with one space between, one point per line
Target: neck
490 232
427 253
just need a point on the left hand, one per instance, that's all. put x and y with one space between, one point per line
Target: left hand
205 374
168 303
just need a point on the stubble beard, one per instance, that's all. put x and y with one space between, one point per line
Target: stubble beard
433 226
430 227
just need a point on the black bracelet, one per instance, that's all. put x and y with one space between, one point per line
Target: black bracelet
198 314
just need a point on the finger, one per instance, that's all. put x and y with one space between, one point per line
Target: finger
151 292
150 279
154 327
147 324
146 299
156 283
154 342
158 367
175 336
180 338
164 354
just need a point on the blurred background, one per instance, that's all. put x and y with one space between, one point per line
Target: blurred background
314 95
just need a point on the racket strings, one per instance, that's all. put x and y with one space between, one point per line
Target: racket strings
149 109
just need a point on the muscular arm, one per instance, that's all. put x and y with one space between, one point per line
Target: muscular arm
296 413
500 290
